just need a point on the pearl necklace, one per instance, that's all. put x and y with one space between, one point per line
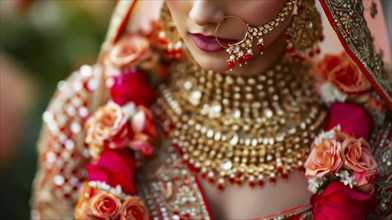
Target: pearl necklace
234 129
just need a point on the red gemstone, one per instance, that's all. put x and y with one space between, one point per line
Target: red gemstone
196 169
260 47
240 59
285 176
321 37
171 53
238 181
301 169
231 179
179 53
260 182
290 50
230 63
272 180
252 184
162 42
280 169
287 37
221 186
248 57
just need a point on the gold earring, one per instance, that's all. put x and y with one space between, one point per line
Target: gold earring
305 32
241 52
168 37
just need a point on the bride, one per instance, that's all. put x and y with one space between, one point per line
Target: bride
224 110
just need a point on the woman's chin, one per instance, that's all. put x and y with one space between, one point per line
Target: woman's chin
214 63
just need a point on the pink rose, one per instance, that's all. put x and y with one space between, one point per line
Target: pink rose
338 201
365 181
357 155
324 159
133 209
109 124
129 51
114 167
105 205
352 119
132 86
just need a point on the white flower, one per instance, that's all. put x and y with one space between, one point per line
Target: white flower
107 188
346 179
129 109
328 135
330 94
315 184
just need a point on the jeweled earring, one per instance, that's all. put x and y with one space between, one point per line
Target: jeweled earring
168 38
241 52
305 32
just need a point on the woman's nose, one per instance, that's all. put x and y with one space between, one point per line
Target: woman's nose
206 12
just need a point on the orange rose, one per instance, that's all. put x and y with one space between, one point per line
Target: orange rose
324 159
349 79
105 205
357 155
345 75
128 52
109 123
133 209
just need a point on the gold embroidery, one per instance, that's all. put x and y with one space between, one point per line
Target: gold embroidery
351 25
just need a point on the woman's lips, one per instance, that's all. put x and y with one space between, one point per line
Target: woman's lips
209 43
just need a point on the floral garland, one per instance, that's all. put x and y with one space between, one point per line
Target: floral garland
340 168
121 134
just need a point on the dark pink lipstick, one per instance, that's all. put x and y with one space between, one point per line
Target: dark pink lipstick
209 43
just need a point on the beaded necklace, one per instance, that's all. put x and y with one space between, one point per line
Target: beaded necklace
234 129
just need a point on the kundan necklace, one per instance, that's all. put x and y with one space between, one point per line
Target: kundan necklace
236 129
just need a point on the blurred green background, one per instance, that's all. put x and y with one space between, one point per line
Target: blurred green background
42 42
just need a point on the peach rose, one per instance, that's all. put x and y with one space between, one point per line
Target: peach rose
364 180
128 52
105 205
133 209
357 155
109 123
324 159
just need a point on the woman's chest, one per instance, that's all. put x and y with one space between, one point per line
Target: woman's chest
172 191
244 202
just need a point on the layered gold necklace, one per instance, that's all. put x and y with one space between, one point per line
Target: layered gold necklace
234 129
